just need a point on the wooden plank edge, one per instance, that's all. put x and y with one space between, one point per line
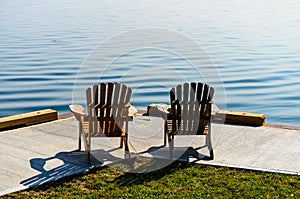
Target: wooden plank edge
240 118
27 119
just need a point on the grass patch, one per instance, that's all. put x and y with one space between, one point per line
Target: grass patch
178 180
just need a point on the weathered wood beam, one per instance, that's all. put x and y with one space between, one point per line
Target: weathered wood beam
241 118
28 119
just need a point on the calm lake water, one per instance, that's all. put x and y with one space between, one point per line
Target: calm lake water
254 45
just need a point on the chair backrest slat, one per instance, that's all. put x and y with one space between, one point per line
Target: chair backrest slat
102 93
119 108
128 95
178 107
90 111
115 101
173 107
193 92
96 95
88 95
101 112
185 106
122 94
109 96
204 99
211 93
96 112
199 91
192 101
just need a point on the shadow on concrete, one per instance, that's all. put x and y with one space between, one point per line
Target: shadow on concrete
159 157
64 164
179 153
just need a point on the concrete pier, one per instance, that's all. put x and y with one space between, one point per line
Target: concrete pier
41 153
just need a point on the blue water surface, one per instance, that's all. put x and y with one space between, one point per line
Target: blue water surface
254 45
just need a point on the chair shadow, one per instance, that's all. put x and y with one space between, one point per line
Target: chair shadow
64 164
157 168
70 163
179 153
193 153
129 179
156 158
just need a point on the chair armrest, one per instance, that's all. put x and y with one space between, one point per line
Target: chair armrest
132 111
77 110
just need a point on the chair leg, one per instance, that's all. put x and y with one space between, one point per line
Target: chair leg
165 134
211 153
79 144
87 148
169 140
88 156
171 147
79 137
209 144
165 138
121 142
126 146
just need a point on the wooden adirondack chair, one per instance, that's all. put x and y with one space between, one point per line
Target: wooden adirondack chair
107 114
191 105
